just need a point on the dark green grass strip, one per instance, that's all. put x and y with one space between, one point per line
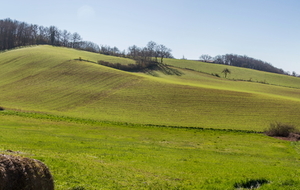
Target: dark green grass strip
58 118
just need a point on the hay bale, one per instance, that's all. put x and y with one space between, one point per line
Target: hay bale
24 174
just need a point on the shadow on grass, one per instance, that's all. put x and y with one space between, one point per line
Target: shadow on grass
250 184
85 60
165 69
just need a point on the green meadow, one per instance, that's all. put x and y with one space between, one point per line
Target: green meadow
237 73
100 128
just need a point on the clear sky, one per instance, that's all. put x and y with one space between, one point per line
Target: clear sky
263 29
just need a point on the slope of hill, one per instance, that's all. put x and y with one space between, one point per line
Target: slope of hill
238 73
50 79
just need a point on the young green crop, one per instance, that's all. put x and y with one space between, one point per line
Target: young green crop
108 156
49 80
237 73
101 128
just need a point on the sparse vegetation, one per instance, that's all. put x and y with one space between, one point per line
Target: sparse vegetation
281 129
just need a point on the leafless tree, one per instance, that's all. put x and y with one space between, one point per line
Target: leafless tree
75 40
133 51
164 52
151 48
205 57
66 37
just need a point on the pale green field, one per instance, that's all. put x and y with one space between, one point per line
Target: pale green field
53 82
88 123
237 72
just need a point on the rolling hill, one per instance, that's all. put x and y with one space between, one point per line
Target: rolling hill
87 123
52 80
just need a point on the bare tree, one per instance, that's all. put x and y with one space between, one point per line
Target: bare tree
66 37
75 40
151 46
164 52
205 57
52 35
42 35
133 51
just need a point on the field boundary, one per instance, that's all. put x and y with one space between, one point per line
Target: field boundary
57 118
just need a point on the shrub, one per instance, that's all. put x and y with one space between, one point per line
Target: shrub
280 129
24 174
130 67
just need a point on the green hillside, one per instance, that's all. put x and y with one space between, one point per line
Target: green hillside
88 123
238 73
51 80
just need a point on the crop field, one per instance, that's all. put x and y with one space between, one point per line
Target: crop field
237 73
108 156
102 128
64 86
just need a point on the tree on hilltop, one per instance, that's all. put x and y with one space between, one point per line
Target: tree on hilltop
164 52
205 57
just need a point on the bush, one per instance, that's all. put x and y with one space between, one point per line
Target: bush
130 67
280 129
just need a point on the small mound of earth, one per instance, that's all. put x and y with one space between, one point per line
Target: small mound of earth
291 137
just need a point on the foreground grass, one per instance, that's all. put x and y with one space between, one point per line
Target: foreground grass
110 156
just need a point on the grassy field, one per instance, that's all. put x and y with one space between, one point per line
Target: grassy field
53 82
107 156
237 73
101 128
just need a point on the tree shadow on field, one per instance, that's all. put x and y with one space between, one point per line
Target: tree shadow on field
165 69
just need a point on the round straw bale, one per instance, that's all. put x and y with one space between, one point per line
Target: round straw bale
24 174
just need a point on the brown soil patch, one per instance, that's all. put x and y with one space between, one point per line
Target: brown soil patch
291 137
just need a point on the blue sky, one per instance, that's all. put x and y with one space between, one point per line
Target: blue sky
263 29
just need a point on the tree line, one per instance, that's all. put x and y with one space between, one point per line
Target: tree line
14 34
243 61
151 52
149 57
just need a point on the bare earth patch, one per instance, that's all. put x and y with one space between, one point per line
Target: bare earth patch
291 137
